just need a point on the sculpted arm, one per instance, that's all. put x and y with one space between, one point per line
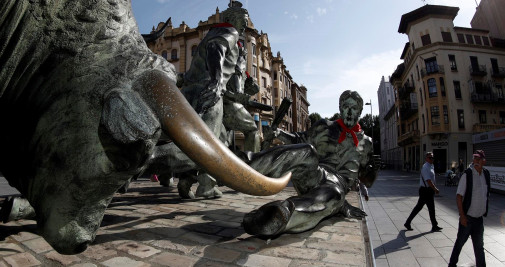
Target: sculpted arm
216 51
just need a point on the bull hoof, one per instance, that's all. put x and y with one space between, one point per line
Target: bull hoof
16 208
270 220
184 189
203 191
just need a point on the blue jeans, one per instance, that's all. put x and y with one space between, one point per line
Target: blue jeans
475 229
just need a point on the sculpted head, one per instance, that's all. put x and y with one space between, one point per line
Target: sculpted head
351 105
236 16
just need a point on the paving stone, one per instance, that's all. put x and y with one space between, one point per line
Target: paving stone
346 238
62 259
98 252
218 254
254 260
337 246
124 262
292 252
137 249
7 249
173 246
201 238
173 260
38 245
24 259
23 236
84 265
345 258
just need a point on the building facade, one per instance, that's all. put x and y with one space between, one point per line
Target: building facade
489 16
178 44
449 87
391 153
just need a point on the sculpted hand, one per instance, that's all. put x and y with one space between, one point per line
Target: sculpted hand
251 87
209 97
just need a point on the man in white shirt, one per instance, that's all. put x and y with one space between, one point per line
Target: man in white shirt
472 199
427 191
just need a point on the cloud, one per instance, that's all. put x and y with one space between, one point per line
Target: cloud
351 73
321 11
310 18
294 16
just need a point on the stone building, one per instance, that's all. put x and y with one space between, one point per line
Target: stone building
390 152
178 44
489 16
449 87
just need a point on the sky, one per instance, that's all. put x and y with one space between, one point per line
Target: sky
328 46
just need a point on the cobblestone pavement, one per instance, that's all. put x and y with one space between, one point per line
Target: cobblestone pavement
151 226
392 198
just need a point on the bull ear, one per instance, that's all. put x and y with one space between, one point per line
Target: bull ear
128 129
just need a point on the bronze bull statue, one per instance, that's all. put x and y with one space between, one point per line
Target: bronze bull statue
83 103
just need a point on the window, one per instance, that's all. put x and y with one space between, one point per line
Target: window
457 89
275 75
421 94
426 39
469 39
432 87
502 117
174 54
452 60
264 82
424 125
164 54
253 48
435 115
461 38
461 119
255 71
477 40
193 50
417 71
499 91
431 65
482 116
447 37
485 40
446 115
442 86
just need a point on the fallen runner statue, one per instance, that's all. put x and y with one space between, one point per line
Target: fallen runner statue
83 103
326 162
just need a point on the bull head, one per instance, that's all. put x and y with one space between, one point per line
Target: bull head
83 103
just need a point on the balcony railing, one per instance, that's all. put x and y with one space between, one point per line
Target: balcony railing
497 72
439 69
485 93
408 138
478 70
407 110
481 127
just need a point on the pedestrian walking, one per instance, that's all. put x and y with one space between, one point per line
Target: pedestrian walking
427 191
472 198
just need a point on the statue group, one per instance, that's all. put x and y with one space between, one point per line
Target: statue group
87 107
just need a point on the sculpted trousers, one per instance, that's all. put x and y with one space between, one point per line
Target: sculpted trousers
426 196
475 229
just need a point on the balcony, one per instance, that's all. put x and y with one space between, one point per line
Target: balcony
497 72
408 138
404 92
407 110
478 70
481 127
485 93
439 69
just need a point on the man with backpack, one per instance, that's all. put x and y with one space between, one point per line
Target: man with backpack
472 198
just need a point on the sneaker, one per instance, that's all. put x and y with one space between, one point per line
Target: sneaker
436 229
407 225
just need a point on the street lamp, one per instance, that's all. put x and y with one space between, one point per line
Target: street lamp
371 116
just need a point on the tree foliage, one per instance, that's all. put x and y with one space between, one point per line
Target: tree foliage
369 123
335 117
314 117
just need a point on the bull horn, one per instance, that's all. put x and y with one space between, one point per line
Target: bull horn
179 120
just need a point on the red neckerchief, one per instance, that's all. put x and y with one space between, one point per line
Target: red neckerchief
222 25
356 128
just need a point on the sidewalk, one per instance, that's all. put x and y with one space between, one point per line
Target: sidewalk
392 198
151 226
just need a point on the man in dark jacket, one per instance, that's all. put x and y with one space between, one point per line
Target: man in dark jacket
472 199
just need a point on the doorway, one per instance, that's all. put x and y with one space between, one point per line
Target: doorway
440 162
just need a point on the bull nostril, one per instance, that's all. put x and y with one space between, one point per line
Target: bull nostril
81 247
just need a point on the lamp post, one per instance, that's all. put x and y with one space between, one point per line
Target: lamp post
371 116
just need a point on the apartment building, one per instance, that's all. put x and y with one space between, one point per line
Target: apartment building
390 152
449 87
178 45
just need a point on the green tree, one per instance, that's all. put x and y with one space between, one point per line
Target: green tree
335 117
369 123
314 117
